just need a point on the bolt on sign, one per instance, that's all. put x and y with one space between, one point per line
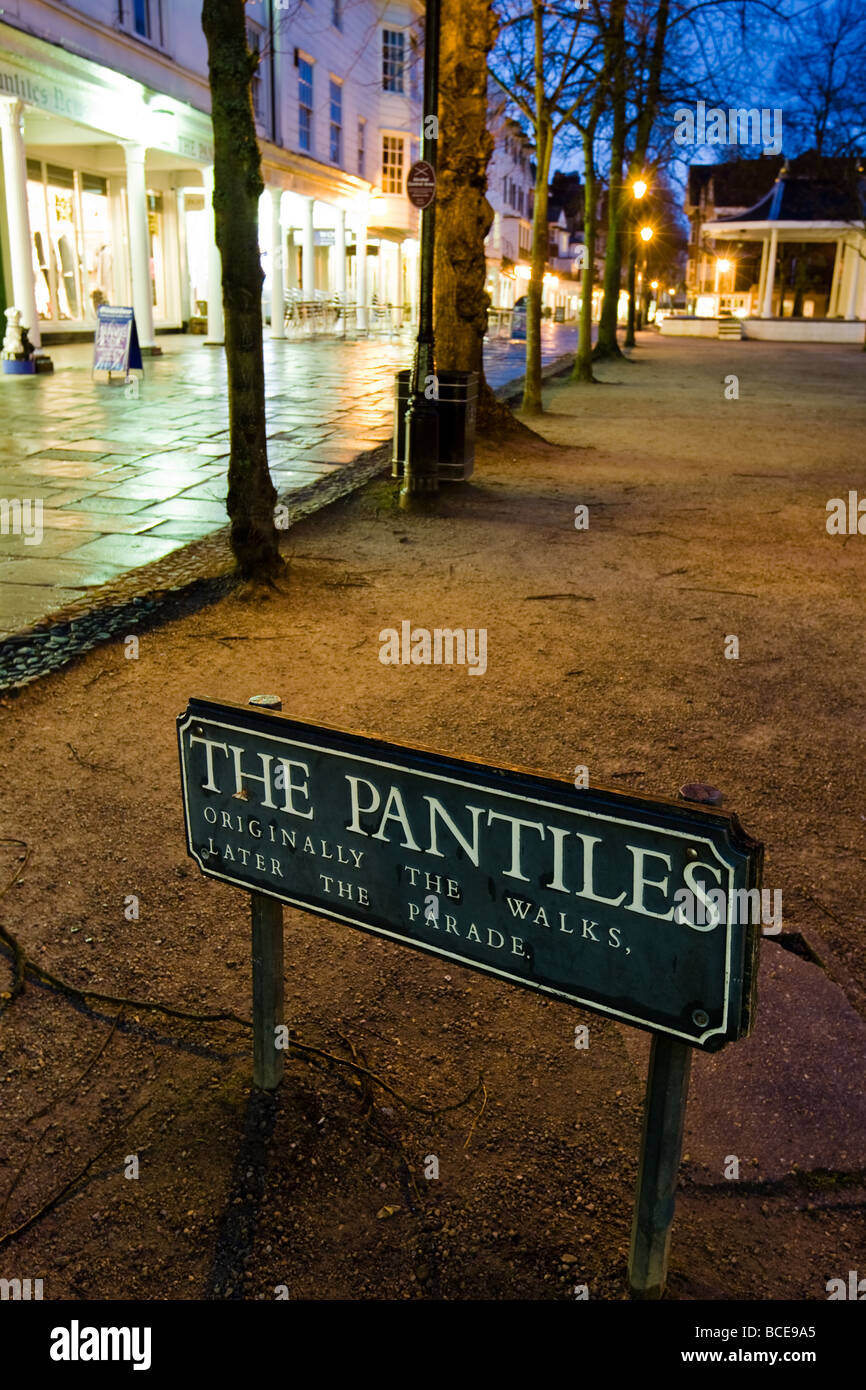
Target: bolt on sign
565 891
568 891
421 184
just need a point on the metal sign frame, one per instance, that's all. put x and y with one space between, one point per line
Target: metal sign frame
670 1050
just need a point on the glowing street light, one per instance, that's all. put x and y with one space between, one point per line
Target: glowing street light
639 189
646 233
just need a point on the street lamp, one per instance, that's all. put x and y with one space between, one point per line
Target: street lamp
646 236
639 189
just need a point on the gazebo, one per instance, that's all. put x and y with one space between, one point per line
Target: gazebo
803 211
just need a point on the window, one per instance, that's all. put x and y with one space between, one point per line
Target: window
393 59
392 164
362 150
142 17
305 104
337 13
414 66
336 122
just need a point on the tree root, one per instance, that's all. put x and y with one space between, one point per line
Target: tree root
67 1186
28 967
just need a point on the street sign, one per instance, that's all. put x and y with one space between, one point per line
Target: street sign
421 184
115 343
564 890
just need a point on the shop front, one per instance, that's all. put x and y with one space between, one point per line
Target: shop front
103 194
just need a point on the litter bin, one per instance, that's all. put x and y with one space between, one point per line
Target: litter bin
458 406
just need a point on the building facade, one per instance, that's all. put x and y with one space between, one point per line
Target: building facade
107 170
508 247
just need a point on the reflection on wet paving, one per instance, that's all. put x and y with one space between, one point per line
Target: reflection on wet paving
110 477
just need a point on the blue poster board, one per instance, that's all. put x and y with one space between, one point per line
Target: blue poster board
115 345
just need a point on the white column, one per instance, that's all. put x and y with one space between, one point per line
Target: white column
767 306
838 261
854 258
398 286
361 268
761 275
139 243
215 321
340 254
382 272
414 286
278 295
183 257
308 264
20 244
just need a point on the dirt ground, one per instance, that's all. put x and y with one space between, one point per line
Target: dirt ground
606 647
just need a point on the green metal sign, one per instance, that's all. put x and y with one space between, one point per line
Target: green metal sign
577 893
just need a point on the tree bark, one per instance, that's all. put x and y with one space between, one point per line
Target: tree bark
582 370
237 188
532 404
543 123
607 345
463 214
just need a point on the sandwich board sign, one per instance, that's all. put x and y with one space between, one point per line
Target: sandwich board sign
576 893
115 344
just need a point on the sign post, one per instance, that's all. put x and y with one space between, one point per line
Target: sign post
626 905
667 1089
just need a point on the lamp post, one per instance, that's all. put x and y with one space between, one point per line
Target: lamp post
638 188
646 236
421 468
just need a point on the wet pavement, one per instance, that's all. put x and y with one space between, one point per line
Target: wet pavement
112 477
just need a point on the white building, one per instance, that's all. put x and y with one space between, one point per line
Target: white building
107 168
508 246
510 192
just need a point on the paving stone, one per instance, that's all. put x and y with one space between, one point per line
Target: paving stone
67 570
52 543
93 521
183 530
142 490
176 509
126 552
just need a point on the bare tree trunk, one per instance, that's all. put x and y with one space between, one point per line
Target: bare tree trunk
532 404
463 214
237 188
607 345
582 370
